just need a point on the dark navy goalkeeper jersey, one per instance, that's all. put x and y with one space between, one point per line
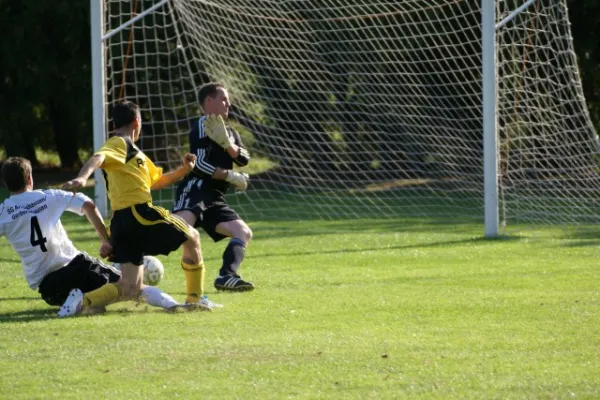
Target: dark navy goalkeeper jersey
210 155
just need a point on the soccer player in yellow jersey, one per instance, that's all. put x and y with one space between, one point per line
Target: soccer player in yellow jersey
137 227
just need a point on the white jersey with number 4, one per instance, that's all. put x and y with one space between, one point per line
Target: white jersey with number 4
31 223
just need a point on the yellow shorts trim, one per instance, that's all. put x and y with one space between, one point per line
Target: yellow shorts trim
168 218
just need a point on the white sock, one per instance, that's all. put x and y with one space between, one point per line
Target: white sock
157 298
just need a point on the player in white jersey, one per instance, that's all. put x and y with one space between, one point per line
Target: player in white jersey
30 220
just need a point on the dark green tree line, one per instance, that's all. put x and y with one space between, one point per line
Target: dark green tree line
45 86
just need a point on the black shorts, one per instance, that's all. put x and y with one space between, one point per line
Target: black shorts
83 272
209 207
145 229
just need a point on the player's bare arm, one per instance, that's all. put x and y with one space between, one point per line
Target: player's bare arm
88 168
93 215
169 178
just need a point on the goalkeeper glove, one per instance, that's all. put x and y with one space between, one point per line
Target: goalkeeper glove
239 181
215 129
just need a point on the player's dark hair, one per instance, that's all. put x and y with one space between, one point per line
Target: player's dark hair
124 113
208 89
15 171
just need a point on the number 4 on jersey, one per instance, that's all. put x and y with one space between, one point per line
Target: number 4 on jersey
37 238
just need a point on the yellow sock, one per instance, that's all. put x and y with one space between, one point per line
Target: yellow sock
194 281
102 296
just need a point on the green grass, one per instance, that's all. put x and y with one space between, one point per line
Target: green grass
396 308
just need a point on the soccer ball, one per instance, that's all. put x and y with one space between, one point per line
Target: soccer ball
153 271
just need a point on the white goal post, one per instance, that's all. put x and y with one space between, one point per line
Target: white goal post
409 109
490 121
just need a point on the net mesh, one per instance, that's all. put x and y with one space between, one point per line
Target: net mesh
548 149
366 109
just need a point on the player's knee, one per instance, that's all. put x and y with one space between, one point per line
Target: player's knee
188 216
193 238
246 234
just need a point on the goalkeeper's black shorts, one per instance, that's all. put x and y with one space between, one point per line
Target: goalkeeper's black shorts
209 207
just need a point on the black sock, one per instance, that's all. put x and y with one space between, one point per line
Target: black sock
232 257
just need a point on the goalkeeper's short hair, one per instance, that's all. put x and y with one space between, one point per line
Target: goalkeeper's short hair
208 89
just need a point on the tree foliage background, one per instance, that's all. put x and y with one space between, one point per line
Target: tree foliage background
45 90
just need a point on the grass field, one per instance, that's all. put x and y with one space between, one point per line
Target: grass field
392 308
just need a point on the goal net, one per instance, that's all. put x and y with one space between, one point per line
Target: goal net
366 109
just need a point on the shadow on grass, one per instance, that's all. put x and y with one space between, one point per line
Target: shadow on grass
583 236
266 230
19 298
50 313
28 315
475 240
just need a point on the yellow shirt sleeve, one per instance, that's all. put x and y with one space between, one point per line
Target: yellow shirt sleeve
114 151
154 172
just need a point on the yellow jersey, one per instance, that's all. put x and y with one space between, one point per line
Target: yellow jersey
128 173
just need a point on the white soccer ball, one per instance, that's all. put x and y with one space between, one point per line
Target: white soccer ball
153 271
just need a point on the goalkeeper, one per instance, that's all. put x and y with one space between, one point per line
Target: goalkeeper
200 196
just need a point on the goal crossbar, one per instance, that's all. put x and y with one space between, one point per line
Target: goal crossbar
514 14
134 19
